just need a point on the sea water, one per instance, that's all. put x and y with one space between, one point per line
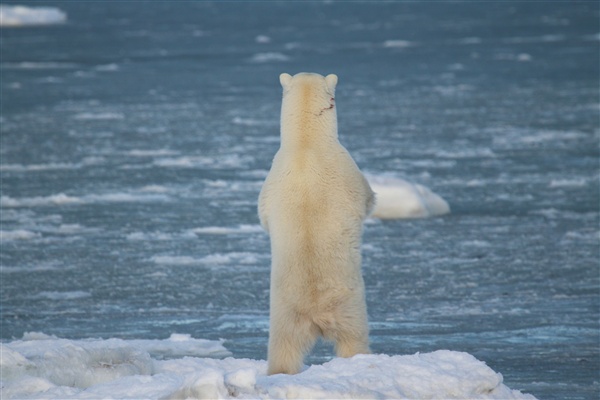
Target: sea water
135 138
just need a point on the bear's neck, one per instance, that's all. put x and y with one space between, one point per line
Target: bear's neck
306 129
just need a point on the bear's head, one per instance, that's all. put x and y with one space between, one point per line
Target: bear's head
309 93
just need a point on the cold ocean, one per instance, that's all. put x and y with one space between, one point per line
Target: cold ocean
135 137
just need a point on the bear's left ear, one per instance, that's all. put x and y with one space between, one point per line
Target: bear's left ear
285 80
331 81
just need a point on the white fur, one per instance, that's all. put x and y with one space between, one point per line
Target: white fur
313 204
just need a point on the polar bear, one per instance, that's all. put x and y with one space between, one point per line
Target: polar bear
313 204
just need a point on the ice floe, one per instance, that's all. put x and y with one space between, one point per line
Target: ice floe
398 198
43 366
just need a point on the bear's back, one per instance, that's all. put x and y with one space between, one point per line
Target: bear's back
318 193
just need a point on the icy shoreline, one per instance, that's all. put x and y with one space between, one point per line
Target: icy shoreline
42 366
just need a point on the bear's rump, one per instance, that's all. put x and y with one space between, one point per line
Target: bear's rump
330 306
312 276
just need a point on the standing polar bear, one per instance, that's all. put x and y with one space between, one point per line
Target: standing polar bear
312 204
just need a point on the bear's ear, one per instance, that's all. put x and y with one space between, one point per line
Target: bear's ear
285 80
331 81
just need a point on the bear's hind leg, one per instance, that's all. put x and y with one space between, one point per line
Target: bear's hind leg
289 340
350 332
351 346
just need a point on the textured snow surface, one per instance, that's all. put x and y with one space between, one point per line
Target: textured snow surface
42 366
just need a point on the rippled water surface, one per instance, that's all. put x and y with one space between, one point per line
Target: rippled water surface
135 139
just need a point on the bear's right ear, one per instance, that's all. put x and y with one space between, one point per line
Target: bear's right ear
331 81
285 80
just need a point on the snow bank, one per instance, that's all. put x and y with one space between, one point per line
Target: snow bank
14 16
397 198
41 366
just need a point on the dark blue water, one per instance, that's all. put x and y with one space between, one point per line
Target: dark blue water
135 138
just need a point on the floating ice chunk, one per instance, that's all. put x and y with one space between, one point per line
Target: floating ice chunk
37 167
32 268
155 189
38 65
397 199
74 295
99 116
524 57
535 39
152 153
595 37
19 234
269 57
252 122
223 230
176 260
62 199
161 236
217 259
107 67
568 183
14 16
401 44
53 200
124 198
127 369
262 39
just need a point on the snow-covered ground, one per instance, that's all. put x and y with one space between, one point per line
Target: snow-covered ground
46 367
